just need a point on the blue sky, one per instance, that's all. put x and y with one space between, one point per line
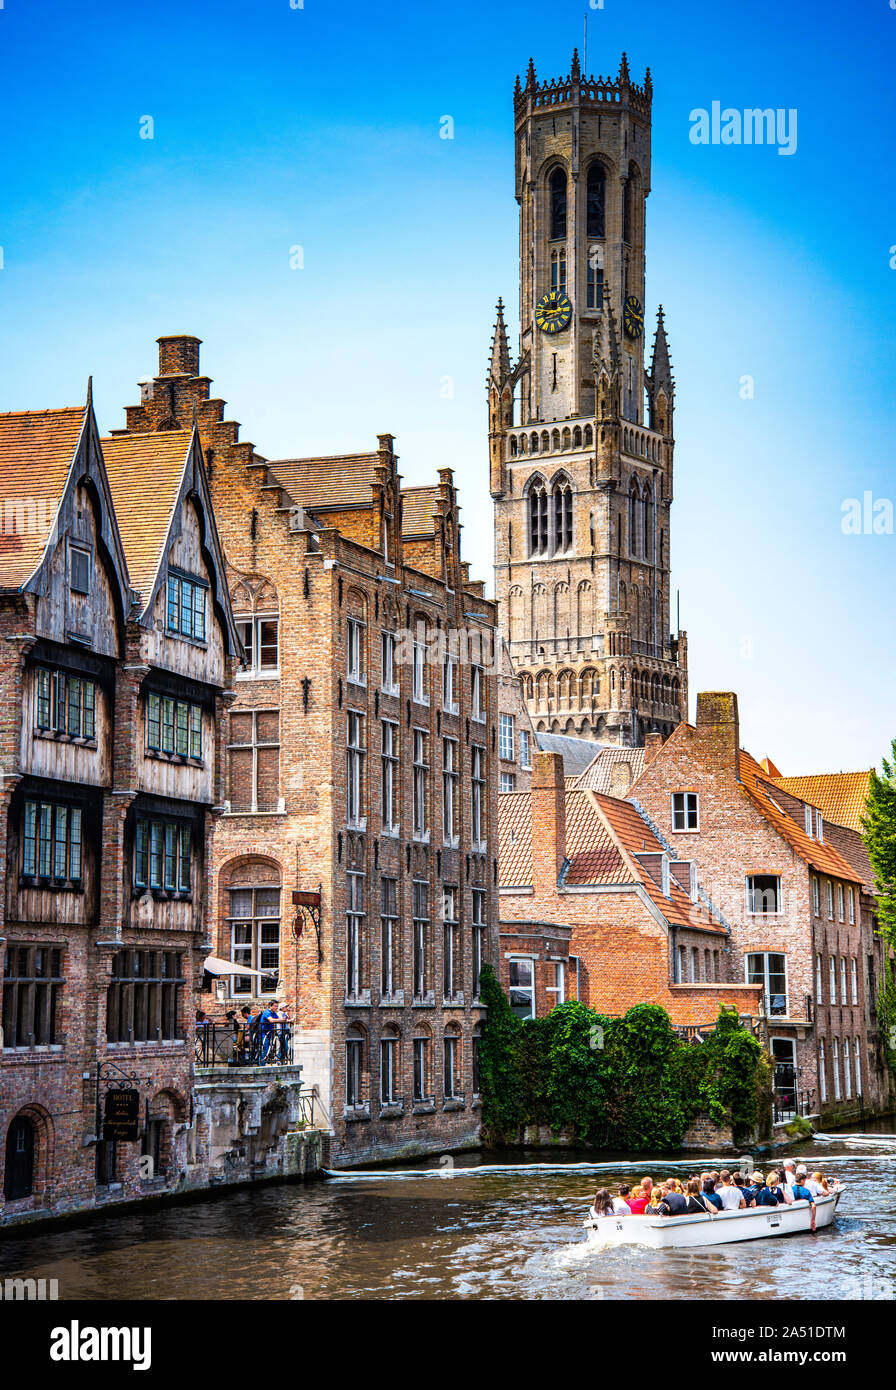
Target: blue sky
319 127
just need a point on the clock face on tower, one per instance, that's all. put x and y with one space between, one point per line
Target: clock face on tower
633 317
553 312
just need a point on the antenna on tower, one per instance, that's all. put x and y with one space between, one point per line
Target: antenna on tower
678 610
585 47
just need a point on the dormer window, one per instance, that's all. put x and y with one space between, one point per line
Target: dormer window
79 566
186 607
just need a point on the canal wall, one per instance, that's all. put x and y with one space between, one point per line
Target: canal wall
703 1135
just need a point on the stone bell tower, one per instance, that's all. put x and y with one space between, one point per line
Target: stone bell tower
580 429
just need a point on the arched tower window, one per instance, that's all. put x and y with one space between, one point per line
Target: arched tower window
562 494
633 510
558 271
595 221
627 209
538 518
557 188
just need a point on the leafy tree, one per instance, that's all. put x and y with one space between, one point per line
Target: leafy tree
879 834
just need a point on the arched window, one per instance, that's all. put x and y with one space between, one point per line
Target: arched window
627 209
596 205
250 893
557 186
538 518
20 1146
633 510
533 444
589 436
562 493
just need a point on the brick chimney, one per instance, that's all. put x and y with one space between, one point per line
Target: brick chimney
653 742
718 728
548 822
179 355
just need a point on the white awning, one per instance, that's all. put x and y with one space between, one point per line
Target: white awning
216 966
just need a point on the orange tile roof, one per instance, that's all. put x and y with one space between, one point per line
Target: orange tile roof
145 475
37 448
344 481
839 796
418 510
820 855
603 834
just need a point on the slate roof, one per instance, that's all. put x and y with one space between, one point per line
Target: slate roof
37 449
341 482
418 510
577 753
598 775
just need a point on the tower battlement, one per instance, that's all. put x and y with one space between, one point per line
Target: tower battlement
576 89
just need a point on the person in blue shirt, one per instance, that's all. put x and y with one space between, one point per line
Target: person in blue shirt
802 1194
766 1195
710 1194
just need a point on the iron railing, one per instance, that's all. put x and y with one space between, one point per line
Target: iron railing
222 1045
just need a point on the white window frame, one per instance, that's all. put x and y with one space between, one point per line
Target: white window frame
390 777
506 737
852 904
388 929
684 811
857 1058
507 781
819 978
816 895
830 885
255 672
750 895
478 794
420 658
528 989
354 770
388 1069
832 979
765 981
854 979
525 749
354 651
388 684
450 939
420 819
449 684
843 990
479 710
847 1070
450 792
808 820
835 1067
559 968
819 826
450 1042
822 1073
841 903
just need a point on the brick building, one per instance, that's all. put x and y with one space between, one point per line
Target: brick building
581 438
362 755
594 907
119 646
795 894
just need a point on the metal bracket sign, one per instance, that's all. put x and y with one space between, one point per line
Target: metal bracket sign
309 903
121 1116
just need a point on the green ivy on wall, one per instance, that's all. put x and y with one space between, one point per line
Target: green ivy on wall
619 1083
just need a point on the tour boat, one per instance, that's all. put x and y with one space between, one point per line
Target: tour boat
679 1232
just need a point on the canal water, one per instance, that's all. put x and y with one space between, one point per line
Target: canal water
480 1226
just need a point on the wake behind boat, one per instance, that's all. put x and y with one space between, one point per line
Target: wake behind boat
722 1228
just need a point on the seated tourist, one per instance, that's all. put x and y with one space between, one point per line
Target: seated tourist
695 1205
732 1197
709 1193
770 1195
802 1194
603 1203
620 1203
784 1185
637 1202
818 1185
671 1203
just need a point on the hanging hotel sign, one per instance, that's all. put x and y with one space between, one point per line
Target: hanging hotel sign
121 1116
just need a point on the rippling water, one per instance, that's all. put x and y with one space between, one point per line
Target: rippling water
495 1227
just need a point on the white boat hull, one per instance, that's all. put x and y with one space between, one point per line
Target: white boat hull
683 1232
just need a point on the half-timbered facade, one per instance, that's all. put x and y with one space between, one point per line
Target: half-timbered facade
119 646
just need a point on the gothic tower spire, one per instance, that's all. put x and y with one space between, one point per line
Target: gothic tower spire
582 483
